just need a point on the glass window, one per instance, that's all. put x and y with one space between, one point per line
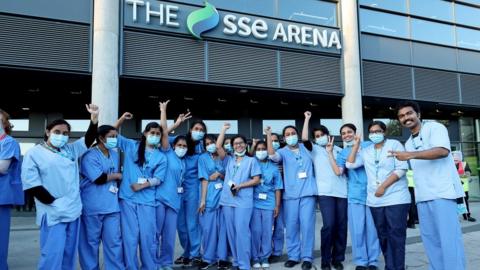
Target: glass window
395 5
384 23
432 32
470 155
20 124
78 125
476 2
25 146
394 128
333 125
308 11
468 38
215 126
467 15
433 9
277 125
258 7
146 121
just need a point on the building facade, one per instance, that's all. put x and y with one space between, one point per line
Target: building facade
251 62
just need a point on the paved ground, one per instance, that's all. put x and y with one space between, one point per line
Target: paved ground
24 246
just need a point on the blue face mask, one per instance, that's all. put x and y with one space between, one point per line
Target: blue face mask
376 138
180 152
322 141
58 140
292 140
261 155
228 147
240 154
349 143
276 145
111 143
211 148
153 140
197 135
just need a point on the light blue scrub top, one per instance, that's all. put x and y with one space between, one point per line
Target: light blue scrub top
239 173
155 166
98 199
293 164
270 181
191 183
356 178
11 183
59 174
438 178
207 166
397 193
168 191
328 183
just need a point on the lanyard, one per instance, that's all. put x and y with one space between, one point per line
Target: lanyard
264 166
378 154
65 155
236 167
182 171
298 158
3 136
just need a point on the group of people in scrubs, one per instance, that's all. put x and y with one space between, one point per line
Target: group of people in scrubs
230 205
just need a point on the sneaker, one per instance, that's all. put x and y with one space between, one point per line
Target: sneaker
223 265
166 268
290 263
204 265
361 268
257 265
306 265
337 265
471 219
274 258
196 262
180 260
411 226
265 265
372 267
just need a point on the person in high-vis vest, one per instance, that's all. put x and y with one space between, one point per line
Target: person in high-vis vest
412 213
464 173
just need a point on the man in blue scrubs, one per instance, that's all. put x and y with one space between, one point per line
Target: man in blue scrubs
437 185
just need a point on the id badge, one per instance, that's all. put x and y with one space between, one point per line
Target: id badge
262 196
230 183
180 190
141 180
113 189
302 175
218 186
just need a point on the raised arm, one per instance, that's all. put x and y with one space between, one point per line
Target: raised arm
125 116
180 119
272 154
221 137
331 157
163 123
430 154
353 154
306 123
254 143
91 133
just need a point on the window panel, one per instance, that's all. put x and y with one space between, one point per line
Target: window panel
395 5
20 124
258 7
468 38
394 128
432 32
78 125
146 121
383 23
308 11
467 15
215 126
333 125
277 125
433 9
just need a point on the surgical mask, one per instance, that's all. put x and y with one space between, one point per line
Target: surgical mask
322 141
349 143
261 154
276 145
211 148
228 147
197 135
180 151
376 137
58 140
111 143
240 154
292 140
153 139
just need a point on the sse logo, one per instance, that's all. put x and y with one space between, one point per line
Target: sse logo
202 20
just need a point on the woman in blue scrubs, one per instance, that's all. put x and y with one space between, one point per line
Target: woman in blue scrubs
365 245
332 194
100 220
144 168
10 184
242 173
387 191
188 225
300 189
266 203
50 171
211 173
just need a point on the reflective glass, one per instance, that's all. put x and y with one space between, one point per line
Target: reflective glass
308 11
395 5
19 124
146 121
467 15
433 9
277 125
258 7
333 125
383 23
215 126
468 38
432 32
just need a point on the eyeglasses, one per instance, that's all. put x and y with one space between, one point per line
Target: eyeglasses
238 143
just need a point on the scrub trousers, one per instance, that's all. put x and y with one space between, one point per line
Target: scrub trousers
279 233
166 226
5 216
237 223
334 229
188 225
209 222
365 245
261 227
